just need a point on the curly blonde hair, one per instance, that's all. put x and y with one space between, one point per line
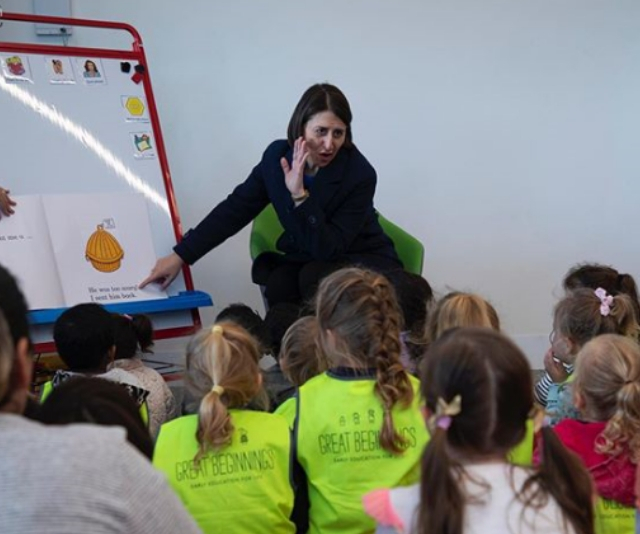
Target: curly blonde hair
608 380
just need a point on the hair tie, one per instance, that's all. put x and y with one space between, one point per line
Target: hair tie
445 411
217 329
605 301
218 389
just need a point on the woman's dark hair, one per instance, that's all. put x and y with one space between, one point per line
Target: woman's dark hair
318 98
493 379
133 333
594 275
14 306
97 401
83 335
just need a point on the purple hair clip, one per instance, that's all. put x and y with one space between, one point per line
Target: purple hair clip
446 411
444 422
605 301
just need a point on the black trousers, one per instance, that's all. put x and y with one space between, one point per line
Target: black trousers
286 280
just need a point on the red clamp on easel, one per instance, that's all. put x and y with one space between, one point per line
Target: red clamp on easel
137 77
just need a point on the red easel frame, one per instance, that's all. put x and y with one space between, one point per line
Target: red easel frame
135 54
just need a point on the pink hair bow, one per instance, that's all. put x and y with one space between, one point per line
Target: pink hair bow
605 301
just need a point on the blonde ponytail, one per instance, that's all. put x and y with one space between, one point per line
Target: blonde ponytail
222 369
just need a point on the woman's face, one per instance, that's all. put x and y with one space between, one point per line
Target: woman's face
325 134
91 66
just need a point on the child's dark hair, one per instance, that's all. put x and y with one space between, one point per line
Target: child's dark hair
278 320
360 309
97 401
83 335
223 371
14 306
580 316
414 294
133 334
248 319
594 275
300 356
492 379
414 298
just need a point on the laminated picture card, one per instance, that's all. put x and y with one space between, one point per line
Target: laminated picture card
68 249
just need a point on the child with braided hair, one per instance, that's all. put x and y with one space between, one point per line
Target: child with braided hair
358 425
228 464
478 392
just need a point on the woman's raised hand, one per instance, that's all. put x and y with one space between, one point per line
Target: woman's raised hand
164 271
294 173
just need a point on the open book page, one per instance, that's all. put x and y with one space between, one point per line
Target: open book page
103 247
25 249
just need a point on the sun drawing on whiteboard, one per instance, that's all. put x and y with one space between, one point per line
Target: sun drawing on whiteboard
103 251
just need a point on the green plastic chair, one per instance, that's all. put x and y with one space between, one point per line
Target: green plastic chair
267 229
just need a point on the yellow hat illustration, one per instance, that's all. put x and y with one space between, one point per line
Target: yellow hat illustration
103 251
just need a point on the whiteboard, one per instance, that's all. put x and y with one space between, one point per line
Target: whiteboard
87 134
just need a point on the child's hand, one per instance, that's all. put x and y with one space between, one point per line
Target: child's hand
6 204
556 369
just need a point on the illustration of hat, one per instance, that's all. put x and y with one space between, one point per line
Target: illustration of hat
103 251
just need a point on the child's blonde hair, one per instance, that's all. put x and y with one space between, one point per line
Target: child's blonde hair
222 370
300 354
457 309
608 380
583 315
359 322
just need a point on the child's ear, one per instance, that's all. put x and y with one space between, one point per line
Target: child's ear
111 355
260 379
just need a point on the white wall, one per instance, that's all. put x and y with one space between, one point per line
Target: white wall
504 132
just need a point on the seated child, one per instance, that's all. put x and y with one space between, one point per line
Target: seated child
134 336
457 309
589 276
357 426
278 320
478 393
100 402
250 320
606 390
230 465
300 358
579 317
85 339
414 297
